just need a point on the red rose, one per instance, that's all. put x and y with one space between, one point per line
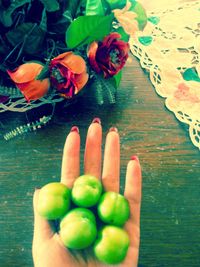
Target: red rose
108 56
68 73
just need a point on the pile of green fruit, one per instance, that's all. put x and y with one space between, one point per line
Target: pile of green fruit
88 217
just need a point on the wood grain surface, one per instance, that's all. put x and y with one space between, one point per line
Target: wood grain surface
170 215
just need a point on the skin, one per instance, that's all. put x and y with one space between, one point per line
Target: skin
48 250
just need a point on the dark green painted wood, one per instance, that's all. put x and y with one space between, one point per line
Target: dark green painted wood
170 217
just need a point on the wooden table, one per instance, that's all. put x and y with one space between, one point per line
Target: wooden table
170 215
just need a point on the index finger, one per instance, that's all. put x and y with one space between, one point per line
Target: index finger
71 158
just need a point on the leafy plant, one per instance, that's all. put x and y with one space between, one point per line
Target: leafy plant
51 5
31 35
86 29
94 7
40 30
6 15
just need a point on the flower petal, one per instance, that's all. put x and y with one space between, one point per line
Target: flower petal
92 50
128 22
35 89
81 80
25 72
61 56
110 38
73 62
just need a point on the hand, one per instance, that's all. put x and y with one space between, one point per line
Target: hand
48 250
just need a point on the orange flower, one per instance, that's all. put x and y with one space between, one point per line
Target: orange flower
68 73
25 79
127 19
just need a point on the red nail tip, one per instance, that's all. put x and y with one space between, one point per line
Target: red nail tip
134 158
96 120
74 129
113 129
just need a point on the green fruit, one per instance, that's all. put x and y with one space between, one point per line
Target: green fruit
113 208
78 229
86 191
111 245
53 201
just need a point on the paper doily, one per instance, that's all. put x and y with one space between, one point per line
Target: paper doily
18 103
169 48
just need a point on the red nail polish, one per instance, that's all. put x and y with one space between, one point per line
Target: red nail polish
134 157
113 129
96 120
74 129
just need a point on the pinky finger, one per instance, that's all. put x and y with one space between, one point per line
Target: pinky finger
133 188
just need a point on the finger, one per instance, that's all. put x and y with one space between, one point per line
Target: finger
71 158
111 165
133 187
42 228
92 157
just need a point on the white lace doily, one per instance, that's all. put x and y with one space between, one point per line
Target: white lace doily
18 103
169 48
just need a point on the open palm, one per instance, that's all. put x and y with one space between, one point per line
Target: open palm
48 250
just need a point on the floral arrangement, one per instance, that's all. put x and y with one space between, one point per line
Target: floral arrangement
55 50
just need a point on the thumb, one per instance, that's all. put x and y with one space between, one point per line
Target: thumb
42 228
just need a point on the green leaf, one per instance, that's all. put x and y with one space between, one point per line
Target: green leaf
124 36
110 90
51 5
94 7
80 8
29 127
10 91
116 3
43 22
44 73
86 29
117 78
59 27
2 46
103 90
97 90
6 15
141 13
29 34
2 49
72 7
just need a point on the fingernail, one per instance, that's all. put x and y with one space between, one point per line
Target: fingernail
74 129
134 157
96 120
113 129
